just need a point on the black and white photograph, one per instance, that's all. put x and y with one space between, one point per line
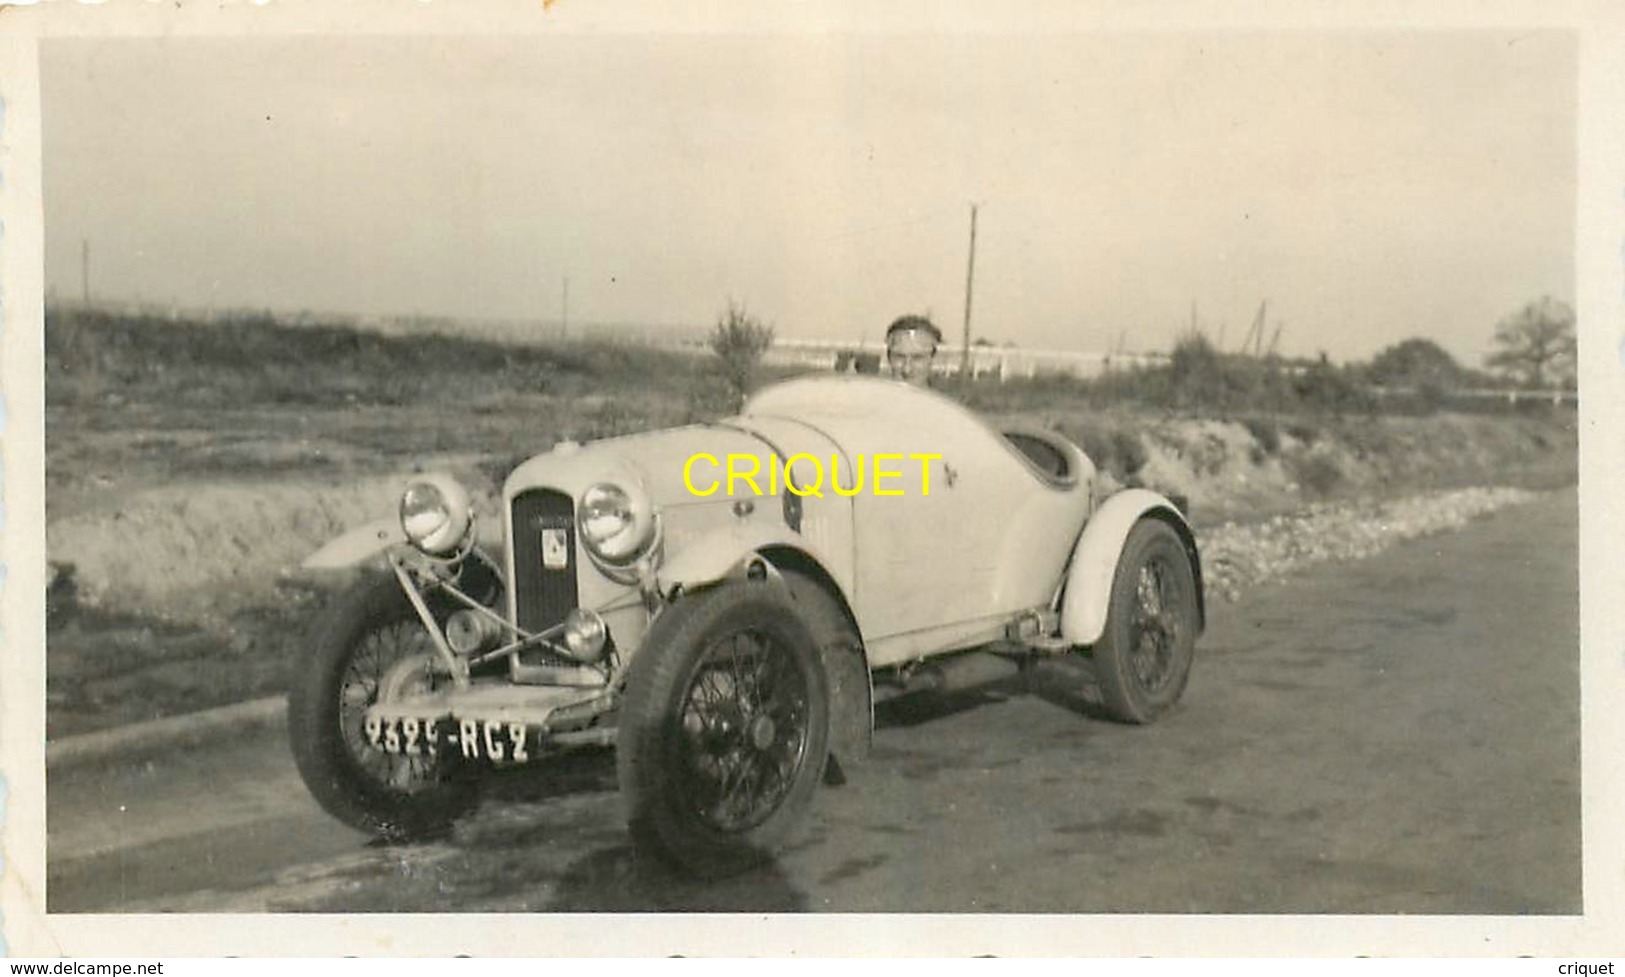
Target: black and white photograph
1070 478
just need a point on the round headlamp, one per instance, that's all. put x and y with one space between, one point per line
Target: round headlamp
616 522
436 514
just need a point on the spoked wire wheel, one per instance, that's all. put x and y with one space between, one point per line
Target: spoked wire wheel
1143 660
744 730
1156 624
724 729
390 664
370 647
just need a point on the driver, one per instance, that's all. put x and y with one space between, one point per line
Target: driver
911 345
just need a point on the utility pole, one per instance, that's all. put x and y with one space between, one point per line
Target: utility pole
84 270
564 328
970 281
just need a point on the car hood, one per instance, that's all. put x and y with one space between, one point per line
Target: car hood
868 414
655 460
817 415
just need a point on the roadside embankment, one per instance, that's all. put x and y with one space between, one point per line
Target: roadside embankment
1236 556
207 550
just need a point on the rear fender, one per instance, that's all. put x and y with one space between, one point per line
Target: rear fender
1094 560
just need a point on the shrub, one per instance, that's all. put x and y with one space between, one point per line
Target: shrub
707 400
1196 375
1307 433
1116 452
1206 455
739 339
1266 432
1419 364
1129 451
1317 474
1326 388
1095 442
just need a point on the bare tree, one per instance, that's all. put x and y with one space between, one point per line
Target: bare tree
1536 343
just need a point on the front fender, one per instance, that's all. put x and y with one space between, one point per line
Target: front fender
1094 560
729 553
722 553
357 546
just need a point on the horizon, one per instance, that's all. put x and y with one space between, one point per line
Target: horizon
543 332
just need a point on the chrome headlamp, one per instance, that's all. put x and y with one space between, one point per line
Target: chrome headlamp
616 522
437 514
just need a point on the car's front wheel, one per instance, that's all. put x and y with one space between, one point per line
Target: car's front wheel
370 647
724 729
1143 660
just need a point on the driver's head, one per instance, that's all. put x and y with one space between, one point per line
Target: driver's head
911 344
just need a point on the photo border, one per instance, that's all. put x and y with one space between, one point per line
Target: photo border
1600 303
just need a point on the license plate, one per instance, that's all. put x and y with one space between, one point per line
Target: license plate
475 739
555 549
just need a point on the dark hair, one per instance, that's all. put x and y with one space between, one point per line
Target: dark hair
909 322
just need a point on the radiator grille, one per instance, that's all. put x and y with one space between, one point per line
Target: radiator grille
542 595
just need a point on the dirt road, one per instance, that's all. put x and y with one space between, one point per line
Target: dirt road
1394 735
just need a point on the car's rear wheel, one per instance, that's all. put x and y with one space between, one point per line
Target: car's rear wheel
370 647
1143 660
724 729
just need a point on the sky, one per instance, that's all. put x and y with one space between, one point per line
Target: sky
1370 186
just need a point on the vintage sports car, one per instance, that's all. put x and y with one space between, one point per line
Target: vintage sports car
728 641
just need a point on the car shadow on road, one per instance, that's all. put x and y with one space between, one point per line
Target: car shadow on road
1060 682
623 880
582 771
1070 684
527 813
605 873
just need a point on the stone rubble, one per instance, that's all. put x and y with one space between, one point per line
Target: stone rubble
1236 557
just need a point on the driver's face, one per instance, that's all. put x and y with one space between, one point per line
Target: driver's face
909 356
912 368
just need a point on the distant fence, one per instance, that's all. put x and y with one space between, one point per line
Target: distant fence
1486 395
1002 363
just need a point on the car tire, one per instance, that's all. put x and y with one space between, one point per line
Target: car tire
1143 660
368 634
724 728
846 670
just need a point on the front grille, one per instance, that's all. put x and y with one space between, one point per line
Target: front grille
542 595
